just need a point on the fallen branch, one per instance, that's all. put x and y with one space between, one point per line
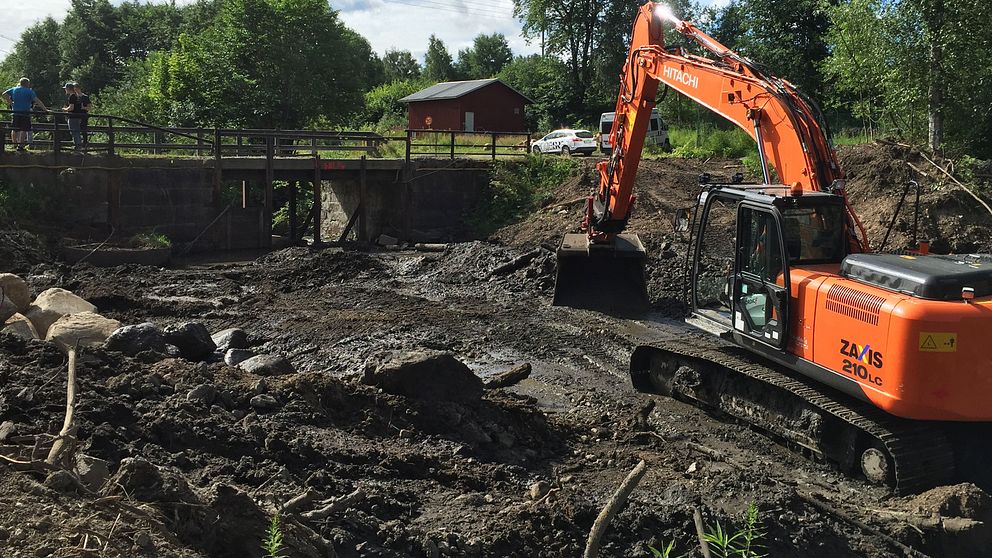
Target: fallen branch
697 518
68 425
612 507
830 510
516 263
299 501
337 505
511 377
951 176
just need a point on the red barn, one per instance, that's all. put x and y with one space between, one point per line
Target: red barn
481 105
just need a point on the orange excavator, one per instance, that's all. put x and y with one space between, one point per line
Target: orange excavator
878 363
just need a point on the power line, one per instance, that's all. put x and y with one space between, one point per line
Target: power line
455 9
8 38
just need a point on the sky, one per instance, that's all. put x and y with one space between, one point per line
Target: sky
400 24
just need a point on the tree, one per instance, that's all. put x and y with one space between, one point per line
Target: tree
438 64
400 65
33 57
382 106
88 41
485 58
543 79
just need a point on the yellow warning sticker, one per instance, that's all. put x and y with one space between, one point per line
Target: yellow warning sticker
931 342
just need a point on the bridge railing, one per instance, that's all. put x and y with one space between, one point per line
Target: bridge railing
117 135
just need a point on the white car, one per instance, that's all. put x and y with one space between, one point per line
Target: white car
565 142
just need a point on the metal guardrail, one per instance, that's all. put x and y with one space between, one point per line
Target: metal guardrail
117 135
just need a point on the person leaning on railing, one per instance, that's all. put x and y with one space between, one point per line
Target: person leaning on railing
74 118
21 99
84 101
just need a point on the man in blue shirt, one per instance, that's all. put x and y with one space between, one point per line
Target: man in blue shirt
21 100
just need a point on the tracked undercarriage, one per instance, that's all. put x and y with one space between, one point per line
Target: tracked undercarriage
907 456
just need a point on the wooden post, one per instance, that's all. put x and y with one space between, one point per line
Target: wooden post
218 168
111 137
363 202
292 210
240 140
269 186
494 146
3 136
409 139
56 144
317 193
199 142
452 146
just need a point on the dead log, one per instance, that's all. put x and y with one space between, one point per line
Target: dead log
612 507
337 505
511 377
516 263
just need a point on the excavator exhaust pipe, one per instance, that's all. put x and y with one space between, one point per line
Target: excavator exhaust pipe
608 278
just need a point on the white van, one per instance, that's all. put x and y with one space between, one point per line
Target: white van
657 131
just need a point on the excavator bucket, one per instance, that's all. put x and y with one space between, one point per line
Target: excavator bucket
605 277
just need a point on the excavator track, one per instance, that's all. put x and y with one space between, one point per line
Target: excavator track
908 456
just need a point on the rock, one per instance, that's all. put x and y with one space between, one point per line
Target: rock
84 329
267 365
193 340
386 240
140 480
539 489
6 429
429 375
203 393
16 289
93 472
52 305
234 357
7 308
134 339
172 351
44 551
143 540
20 326
264 402
61 481
232 338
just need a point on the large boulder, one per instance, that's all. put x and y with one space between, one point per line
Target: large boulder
232 338
16 289
430 375
21 327
7 308
267 365
52 305
234 357
134 339
192 339
83 329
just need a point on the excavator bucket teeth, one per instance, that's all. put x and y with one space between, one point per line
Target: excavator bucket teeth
606 278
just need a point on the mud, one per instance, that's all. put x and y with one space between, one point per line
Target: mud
202 475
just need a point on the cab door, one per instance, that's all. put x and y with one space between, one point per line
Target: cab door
761 285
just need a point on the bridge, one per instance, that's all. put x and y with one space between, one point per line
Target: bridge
186 181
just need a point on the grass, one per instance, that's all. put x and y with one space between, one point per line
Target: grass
272 544
519 187
150 240
743 543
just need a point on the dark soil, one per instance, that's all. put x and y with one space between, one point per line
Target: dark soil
434 478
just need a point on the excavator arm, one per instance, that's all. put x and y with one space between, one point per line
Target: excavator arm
787 126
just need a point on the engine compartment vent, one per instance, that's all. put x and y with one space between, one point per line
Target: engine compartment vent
854 303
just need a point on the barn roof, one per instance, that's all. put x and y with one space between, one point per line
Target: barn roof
454 90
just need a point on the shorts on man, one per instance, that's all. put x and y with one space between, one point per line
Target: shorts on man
21 122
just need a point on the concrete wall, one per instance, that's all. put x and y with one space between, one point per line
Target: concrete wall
418 205
87 196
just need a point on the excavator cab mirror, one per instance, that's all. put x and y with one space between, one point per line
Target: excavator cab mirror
681 221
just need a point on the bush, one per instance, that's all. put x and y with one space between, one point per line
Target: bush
518 188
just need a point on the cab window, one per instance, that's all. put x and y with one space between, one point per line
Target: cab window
815 235
762 253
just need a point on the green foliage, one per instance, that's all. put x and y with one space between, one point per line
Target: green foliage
744 543
150 240
280 217
30 201
438 65
272 545
400 65
382 106
485 58
710 142
543 80
518 188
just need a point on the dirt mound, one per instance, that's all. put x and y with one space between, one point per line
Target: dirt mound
949 218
